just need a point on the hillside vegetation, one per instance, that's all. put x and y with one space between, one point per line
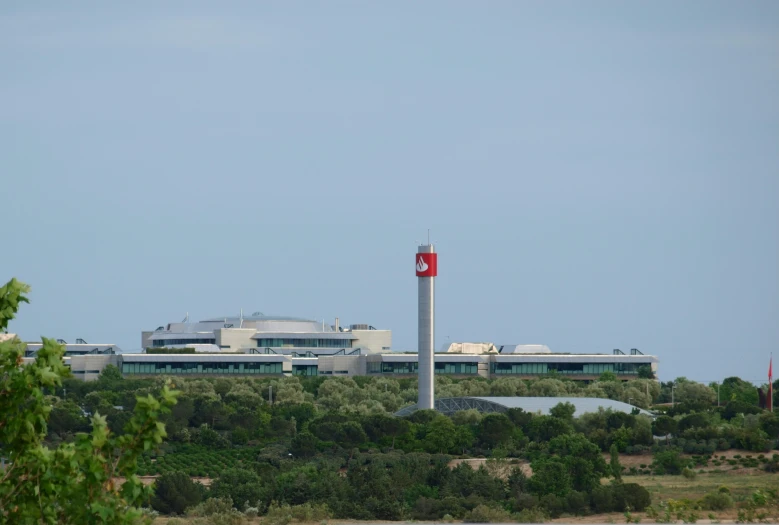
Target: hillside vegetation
331 448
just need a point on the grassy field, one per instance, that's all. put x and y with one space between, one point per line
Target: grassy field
741 485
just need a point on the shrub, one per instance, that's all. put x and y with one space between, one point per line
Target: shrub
577 502
668 462
429 509
281 515
716 501
759 498
174 492
526 501
602 499
554 505
772 466
211 506
631 496
531 516
484 514
689 473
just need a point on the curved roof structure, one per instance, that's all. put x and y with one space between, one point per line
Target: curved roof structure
257 317
535 405
524 349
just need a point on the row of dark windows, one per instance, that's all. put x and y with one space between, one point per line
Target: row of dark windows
168 342
305 370
303 343
201 368
566 368
412 367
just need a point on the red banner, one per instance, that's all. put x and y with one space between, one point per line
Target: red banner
427 264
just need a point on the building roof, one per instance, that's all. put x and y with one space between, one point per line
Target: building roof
260 317
524 349
202 358
535 405
304 335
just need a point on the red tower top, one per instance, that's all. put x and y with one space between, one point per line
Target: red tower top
427 264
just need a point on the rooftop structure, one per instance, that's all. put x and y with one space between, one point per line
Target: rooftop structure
259 333
80 347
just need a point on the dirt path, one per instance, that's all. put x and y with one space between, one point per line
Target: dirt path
148 480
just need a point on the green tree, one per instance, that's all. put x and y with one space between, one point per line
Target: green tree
545 428
614 465
304 445
736 407
769 422
239 484
495 430
351 435
645 372
664 426
67 417
695 420
607 376
110 373
463 438
440 436
174 492
736 389
382 426
583 458
550 476
563 411
695 395
75 482
668 462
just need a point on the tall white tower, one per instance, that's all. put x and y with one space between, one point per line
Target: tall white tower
427 269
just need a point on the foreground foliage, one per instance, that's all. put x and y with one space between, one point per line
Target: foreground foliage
74 482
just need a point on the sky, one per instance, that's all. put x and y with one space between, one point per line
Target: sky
594 175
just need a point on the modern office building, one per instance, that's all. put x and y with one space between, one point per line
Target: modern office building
340 363
259 333
259 345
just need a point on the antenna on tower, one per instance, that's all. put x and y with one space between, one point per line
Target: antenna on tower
186 318
428 236
241 324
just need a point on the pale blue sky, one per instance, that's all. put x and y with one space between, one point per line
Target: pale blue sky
596 175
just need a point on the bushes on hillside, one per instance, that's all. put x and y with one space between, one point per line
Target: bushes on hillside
716 501
174 492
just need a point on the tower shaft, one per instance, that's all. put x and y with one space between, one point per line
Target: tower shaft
427 269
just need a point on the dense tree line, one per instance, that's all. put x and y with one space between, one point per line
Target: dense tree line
335 442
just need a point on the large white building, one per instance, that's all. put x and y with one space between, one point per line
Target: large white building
260 345
259 333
